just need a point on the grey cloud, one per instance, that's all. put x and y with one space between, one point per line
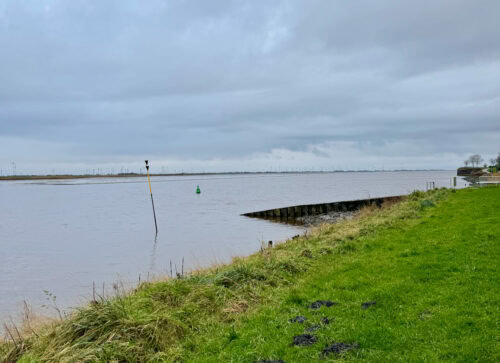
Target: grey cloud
197 80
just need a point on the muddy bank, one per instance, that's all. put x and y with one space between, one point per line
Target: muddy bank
332 217
314 214
469 171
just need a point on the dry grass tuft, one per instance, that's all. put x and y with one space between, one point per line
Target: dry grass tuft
236 307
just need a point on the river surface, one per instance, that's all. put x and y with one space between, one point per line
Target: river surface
66 236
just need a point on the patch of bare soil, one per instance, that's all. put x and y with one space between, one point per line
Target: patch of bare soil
304 339
332 217
367 304
338 348
319 303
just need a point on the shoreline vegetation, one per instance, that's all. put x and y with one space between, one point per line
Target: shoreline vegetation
132 175
415 280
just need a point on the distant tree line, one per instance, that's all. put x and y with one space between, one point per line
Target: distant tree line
476 160
495 161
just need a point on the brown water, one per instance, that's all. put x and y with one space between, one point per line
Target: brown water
65 235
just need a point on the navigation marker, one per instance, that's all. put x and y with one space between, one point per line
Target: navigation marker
151 192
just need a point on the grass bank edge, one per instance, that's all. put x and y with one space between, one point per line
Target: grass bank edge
156 320
434 280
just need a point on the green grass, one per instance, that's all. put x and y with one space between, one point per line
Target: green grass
429 262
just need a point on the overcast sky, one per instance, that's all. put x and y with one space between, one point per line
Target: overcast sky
247 85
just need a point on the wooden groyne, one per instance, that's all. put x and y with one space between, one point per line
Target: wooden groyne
290 213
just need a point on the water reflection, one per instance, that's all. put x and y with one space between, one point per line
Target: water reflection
152 264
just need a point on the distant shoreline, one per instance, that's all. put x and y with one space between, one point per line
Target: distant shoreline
132 175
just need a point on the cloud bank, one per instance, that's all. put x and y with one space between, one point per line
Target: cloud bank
244 85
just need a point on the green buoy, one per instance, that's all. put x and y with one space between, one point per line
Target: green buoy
198 191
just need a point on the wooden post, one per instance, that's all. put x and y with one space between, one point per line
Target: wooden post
151 193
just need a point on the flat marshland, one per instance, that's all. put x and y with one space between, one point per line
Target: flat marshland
413 281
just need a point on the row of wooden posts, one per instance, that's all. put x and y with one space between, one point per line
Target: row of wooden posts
315 209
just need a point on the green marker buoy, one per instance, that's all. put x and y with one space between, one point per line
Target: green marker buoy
198 191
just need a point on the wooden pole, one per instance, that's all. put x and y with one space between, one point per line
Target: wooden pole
151 193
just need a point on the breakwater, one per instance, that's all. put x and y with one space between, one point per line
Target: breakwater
297 211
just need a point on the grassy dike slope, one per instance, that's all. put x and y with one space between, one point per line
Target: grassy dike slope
429 263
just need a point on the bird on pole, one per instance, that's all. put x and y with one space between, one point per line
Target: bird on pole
151 193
